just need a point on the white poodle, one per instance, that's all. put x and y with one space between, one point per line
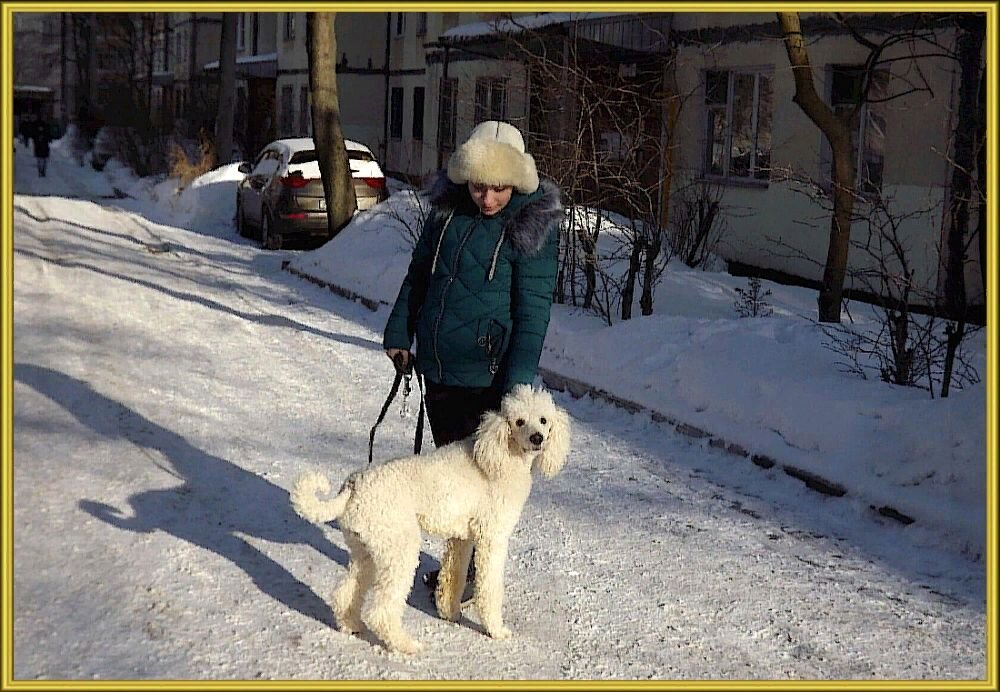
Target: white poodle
470 492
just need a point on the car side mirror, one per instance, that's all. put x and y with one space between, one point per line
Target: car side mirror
245 167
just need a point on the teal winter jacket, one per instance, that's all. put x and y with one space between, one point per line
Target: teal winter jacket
479 289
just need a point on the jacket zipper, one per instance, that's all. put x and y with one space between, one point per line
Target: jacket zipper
444 294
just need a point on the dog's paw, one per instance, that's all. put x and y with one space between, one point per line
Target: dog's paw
500 632
406 646
348 626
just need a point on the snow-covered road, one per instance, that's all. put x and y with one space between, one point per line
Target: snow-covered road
170 385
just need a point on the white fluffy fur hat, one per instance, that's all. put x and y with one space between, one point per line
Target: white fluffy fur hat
494 154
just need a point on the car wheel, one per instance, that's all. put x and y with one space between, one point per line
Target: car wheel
268 238
241 220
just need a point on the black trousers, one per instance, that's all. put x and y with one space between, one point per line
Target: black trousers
454 412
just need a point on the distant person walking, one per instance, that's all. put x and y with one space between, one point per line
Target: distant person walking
41 137
26 128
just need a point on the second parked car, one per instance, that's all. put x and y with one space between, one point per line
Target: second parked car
282 193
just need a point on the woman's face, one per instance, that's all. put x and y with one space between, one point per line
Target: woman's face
490 198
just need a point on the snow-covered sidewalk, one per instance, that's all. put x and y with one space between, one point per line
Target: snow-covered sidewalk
171 383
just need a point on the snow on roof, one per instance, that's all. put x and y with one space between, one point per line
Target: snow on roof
514 24
295 144
263 57
28 87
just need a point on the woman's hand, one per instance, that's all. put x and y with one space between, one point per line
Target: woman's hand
400 358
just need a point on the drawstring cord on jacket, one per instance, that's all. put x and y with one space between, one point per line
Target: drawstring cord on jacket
437 250
496 253
493 261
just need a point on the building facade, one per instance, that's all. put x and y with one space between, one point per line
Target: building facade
715 89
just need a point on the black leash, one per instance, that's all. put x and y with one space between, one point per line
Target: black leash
403 374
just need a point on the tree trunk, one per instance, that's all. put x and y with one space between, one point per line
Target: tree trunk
227 89
838 134
634 265
649 271
150 25
972 32
338 187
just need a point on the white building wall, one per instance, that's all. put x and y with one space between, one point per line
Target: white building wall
778 228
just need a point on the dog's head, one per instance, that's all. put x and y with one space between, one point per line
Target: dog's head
528 428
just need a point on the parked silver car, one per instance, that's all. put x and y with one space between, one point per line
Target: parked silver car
282 193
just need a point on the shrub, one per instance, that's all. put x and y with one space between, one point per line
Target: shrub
186 167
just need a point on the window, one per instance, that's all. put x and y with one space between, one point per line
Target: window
305 114
396 113
179 103
400 24
254 34
491 99
867 125
289 26
738 106
241 31
421 23
179 46
418 113
614 146
165 65
446 113
287 103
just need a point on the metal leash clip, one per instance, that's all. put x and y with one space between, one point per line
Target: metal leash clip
404 409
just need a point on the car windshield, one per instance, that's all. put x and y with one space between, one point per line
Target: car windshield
310 155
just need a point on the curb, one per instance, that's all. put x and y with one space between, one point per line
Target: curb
578 389
372 305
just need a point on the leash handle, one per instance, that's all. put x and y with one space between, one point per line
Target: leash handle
403 369
381 415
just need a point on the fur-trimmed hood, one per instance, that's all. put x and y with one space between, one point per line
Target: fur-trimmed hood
530 217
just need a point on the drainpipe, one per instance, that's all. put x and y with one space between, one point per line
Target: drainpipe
385 110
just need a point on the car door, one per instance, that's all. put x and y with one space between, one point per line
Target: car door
256 183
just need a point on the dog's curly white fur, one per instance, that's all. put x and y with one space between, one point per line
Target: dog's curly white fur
470 492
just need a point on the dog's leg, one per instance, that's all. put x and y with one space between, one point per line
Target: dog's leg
451 580
394 567
349 596
490 558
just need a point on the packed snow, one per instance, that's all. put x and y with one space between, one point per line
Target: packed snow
171 381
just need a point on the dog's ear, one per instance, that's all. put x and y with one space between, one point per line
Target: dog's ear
492 446
551 460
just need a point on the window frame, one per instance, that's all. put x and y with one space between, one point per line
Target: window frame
859 137
417 126
485 111
287 109
396 112
447 92
241 31
305 111
727 176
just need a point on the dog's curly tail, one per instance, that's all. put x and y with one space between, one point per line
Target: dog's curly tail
306 503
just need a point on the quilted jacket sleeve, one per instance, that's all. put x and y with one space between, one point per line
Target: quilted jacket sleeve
532 287
400 327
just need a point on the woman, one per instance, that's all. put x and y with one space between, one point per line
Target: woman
479 288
